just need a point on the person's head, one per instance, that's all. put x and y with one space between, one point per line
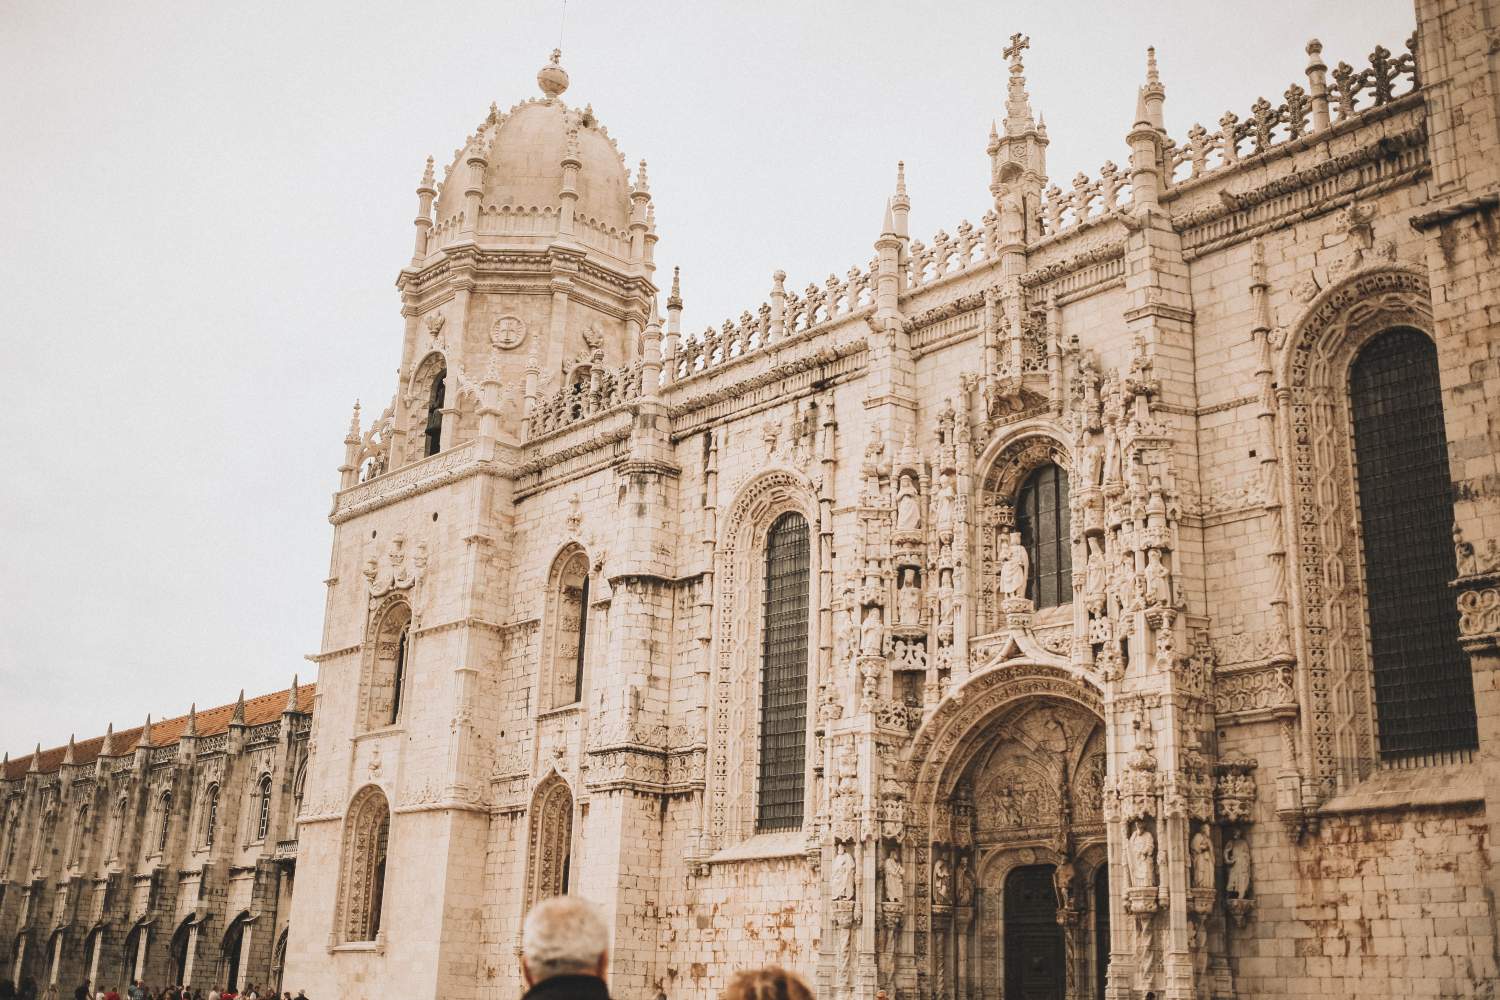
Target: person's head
770 983
563 936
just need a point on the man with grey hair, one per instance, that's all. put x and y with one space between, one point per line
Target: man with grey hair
565 950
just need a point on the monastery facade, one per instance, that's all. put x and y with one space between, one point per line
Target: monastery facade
1099 600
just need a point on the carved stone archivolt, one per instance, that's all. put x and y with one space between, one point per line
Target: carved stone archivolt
1335 687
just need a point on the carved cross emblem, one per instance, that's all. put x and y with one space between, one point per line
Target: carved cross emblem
1018 44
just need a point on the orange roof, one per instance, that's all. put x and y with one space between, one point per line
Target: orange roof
265 708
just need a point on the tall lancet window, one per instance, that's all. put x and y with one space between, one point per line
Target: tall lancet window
568 602
1424 695
783 672
1042 520
366 835
163 821
434 431
399 682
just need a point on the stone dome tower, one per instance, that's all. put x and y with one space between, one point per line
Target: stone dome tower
532 263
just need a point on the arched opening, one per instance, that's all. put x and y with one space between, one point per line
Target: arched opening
177 951
783 694
568 612
163 821
1042 520
366 840
433 429
231 952
210 815
263 808
1424 694
278 962
1035 955
389 664
550 871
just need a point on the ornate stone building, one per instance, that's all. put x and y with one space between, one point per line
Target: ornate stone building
164 853
1101 600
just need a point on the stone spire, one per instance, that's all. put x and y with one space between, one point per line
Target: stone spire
192 722
426 191
1018 116
68 755
238 718
552 78
901 204
291 696
145 740
1152 96
108 748
36 759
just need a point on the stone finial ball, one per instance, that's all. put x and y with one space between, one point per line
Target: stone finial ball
552 78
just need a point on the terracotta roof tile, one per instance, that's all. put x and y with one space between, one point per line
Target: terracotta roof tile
265 708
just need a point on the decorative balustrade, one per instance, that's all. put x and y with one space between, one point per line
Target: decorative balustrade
268 732
163 755
1087 201
951 254
218 743
592 389
1302 111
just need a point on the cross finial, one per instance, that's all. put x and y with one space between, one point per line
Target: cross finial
1018 44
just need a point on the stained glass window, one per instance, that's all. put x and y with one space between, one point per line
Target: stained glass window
1042 520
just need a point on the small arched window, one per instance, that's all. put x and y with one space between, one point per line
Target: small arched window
117 833
1042 520
398 684
263 808
210 814
298 787
366 838
80 826
1424 694
434 429
163 821
783 692
569 613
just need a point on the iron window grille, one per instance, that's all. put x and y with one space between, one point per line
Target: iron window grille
1042 520
783 696
1424 695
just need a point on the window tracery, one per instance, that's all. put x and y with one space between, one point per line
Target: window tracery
366 842
163 821
567 631
210 814
388 661
1025 493
551 848
263 808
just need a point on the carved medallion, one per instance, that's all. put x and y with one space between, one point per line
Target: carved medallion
508 333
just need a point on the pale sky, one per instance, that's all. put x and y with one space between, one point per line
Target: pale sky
205 206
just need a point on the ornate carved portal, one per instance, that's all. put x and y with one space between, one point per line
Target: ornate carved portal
551 846
1019 803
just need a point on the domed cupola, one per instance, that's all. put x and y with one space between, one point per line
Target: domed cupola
541 165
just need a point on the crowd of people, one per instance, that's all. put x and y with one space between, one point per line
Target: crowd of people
564 956
137 991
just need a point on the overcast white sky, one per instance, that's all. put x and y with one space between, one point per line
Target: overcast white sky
204 207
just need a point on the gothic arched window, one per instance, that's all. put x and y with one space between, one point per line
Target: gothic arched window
398 684
434 428
163 821
1042 520
783 672
263 807
117 827
210 814
366 838
75 847
568 611
1424 695
389 662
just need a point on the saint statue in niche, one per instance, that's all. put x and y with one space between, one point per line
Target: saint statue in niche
843 873
907 598
1095 577
870 631
1237 867
1202 850
942 882
908 508
1014 564
1142 861
895 879
1158 580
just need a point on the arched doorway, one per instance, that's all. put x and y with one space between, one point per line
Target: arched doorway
1034 950
1009 779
